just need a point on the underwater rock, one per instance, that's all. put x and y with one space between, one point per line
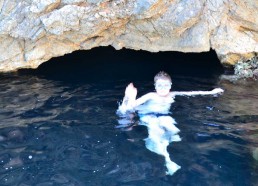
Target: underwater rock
15 135
14 162
34 31
255 154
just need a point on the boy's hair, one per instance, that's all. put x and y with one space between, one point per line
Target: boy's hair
162 75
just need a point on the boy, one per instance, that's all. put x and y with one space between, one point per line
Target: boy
155 115
163 95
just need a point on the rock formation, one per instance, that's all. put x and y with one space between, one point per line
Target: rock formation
33 31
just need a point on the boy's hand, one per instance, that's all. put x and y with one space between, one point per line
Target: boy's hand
217 91
131 92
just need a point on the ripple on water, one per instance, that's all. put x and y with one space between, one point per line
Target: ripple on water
56 133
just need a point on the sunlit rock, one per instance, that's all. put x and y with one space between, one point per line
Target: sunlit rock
32 32
39 6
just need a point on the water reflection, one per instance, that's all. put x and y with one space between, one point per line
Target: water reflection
58 133
28 100
31 99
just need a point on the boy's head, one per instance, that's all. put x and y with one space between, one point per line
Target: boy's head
162 82
162 75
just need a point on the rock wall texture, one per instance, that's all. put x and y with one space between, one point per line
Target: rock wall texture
33 31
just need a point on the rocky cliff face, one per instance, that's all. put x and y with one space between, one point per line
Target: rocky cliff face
33 31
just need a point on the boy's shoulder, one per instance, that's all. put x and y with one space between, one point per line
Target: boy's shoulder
152 94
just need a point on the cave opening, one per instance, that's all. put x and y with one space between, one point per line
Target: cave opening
106 63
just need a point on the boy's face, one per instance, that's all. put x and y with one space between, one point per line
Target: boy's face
163 87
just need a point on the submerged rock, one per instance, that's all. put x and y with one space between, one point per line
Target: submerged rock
255 154
32 32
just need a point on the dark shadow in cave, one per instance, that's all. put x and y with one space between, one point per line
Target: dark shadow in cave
106 63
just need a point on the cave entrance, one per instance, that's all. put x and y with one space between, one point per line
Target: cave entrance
106 63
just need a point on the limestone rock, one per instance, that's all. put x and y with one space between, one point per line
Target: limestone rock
33 31
39 6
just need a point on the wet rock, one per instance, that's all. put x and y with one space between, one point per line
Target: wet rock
255 154
60 179
255 73
245 68
14 162
2 138
15 135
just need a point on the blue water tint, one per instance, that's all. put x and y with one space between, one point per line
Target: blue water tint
58 123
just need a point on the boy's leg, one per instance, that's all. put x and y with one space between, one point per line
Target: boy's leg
168 123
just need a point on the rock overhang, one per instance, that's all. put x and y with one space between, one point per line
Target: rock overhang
33 32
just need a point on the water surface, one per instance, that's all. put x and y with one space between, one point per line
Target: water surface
58 125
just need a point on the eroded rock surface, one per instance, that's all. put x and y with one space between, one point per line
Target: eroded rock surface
33 31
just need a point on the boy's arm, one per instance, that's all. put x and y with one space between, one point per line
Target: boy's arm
130 101
194 93
143 99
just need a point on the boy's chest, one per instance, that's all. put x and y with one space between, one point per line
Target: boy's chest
164 100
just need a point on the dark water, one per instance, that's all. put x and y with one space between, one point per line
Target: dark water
58 123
